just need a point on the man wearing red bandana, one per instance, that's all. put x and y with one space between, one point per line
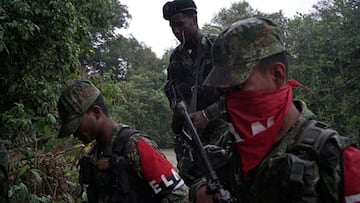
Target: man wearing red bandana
250 63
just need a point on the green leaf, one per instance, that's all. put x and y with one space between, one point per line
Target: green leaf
24 192
51 118
24 169
50 144
36 173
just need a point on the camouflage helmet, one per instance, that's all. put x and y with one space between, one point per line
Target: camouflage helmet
73 103
240 48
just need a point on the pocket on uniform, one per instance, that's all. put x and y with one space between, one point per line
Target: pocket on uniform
300 178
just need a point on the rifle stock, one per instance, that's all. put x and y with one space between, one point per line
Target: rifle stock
190 135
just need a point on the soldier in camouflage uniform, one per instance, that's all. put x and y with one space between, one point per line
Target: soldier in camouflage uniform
123 167
189 65
270 131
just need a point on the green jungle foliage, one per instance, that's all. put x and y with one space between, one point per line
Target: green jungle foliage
326 56
47 44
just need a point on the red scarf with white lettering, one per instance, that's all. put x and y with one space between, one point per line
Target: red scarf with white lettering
257 117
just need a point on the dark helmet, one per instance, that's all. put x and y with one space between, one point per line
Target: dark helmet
240 48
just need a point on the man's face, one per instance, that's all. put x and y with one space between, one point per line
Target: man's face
87 129
259 80
183 27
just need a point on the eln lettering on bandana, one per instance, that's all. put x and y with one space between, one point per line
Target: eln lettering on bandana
257 117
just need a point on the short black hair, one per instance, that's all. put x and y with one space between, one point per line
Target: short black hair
281 57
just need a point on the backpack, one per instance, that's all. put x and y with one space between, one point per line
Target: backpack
126 186
314 135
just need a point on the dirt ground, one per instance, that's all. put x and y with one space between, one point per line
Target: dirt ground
170 154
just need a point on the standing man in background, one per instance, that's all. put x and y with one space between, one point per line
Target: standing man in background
190 63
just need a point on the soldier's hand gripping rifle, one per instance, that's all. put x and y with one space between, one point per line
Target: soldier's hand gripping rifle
189 134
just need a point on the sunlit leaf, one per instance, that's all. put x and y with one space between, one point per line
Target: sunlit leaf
23 169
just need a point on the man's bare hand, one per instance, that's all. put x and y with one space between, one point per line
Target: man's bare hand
202 196
199 119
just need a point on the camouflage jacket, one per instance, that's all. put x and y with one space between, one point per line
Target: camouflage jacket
188 69
285 175
126 175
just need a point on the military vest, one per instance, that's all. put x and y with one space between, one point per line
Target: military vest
120 184
184 72
301 167
292 170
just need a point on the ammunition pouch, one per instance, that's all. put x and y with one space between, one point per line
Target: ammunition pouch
288 177
300 178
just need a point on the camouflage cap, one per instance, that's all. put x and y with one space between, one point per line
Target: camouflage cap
240 48
73 103
171 8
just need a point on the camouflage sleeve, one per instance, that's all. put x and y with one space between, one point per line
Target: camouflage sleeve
133 156
180 195
330 172
217 110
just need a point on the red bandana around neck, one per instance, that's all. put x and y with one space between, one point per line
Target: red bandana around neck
257 117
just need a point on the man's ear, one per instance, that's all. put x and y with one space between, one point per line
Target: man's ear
279 73
96 111
194 19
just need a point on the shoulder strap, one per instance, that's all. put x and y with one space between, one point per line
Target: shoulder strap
203 49
121 138
313 136
127 185
197 64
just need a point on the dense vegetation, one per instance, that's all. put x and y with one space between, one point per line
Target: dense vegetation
46 44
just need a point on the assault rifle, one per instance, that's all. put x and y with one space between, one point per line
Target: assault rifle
190 135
